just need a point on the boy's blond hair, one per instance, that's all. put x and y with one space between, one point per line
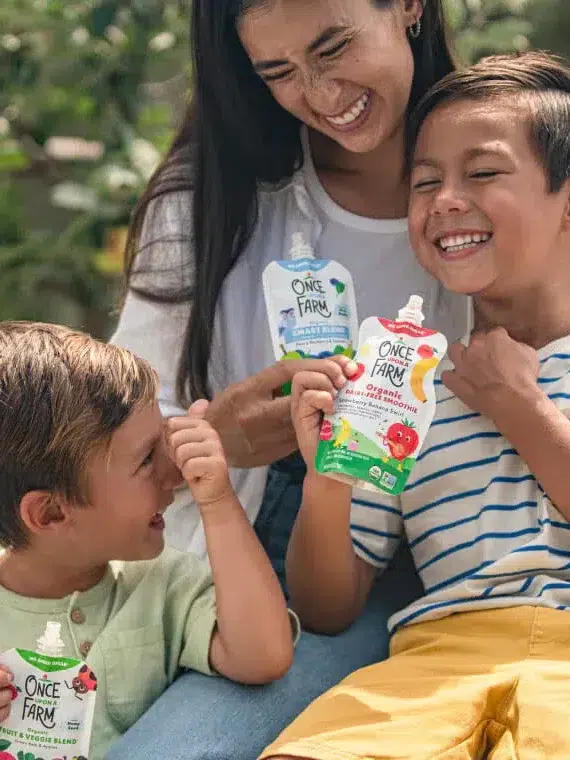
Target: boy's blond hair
62 396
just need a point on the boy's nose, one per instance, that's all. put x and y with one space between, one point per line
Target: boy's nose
449 200
169 476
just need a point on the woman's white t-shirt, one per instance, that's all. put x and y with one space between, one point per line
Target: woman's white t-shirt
376 252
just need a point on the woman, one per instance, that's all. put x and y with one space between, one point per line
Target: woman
296 125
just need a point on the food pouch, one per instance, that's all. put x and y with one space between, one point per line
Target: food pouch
310 305
383 413
53 702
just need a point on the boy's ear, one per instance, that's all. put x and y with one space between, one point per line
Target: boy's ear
566 217
42 511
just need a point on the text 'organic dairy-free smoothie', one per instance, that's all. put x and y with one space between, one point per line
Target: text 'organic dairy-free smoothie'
383 413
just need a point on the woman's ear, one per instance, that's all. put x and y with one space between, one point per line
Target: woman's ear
42 512
413 11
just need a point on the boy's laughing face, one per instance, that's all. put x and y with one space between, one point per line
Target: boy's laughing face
482 218
130 487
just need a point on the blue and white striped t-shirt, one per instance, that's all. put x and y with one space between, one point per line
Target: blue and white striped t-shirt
482 532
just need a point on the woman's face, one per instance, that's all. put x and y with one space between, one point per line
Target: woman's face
343 67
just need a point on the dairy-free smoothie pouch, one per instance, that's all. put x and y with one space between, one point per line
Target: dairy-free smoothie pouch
310 304
383 413
53 702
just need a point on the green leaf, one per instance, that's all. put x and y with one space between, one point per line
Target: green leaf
12 157
4 744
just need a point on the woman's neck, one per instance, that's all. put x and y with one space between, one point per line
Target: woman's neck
368 184
35 575
536 318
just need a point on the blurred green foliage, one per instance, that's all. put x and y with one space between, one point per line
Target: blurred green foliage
90 92
88 96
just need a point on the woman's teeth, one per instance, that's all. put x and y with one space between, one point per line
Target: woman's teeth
455 243
352 114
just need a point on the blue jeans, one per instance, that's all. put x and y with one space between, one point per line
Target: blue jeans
202 718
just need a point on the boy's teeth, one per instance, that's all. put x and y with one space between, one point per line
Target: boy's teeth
351 115
460 242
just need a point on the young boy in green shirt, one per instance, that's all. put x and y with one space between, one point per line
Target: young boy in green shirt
87 470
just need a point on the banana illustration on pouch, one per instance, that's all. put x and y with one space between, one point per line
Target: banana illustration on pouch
418 374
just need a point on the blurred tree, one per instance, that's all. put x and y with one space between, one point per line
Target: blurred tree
551 25
89 93
484 27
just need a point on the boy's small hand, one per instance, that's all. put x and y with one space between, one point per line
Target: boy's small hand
313 395
492 371
196 449
6 693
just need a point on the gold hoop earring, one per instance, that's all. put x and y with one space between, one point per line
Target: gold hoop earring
416 29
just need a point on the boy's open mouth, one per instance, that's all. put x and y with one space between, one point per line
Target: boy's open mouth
455 246
157 521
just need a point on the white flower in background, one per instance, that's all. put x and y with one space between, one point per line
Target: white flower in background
4 127
117 178
162 41
80 36
115 35
144 157
74 149
10 42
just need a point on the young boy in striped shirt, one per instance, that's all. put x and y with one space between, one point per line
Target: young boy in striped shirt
480 664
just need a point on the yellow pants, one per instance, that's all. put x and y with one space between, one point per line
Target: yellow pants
491 685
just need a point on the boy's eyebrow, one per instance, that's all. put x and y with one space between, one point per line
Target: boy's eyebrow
147 445
468 155
323 38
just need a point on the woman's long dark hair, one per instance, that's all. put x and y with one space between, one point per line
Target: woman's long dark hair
235 136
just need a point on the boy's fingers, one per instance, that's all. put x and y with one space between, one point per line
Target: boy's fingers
306 381
6 676
198 409
199 449
312 401
190 435
179 423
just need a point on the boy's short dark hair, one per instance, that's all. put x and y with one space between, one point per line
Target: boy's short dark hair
62 396
540 80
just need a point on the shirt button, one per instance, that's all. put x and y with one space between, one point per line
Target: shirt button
85 648
77 616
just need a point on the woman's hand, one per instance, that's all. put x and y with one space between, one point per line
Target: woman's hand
253 419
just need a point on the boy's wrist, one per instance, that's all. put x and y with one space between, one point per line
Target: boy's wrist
321 486
221 503
514 406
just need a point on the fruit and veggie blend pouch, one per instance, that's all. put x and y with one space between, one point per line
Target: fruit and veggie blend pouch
383 413
53 702
310 306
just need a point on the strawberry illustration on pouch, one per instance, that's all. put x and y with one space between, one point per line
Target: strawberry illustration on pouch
402 440
361 369
326 430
